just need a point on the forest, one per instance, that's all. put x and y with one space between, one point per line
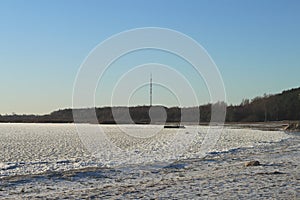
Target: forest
277 107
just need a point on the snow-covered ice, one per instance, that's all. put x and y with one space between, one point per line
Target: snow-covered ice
56 157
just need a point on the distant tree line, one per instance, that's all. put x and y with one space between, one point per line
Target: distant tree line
283 106
279 107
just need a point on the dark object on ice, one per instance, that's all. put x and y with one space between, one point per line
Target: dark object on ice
293 127
252 163
174 126
176 166
270 173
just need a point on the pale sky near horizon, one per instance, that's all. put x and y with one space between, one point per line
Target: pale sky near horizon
255 44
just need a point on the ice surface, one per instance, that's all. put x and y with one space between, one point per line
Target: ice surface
55 161
36 148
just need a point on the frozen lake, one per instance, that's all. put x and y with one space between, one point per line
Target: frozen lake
30 151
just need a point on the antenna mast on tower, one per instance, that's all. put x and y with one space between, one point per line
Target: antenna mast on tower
151 89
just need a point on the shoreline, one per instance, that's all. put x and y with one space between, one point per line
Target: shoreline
267 126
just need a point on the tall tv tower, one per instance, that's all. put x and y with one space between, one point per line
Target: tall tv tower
150 89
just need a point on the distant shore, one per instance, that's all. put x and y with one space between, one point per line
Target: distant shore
265 126
277 109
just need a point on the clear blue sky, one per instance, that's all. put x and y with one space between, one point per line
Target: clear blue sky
255 43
